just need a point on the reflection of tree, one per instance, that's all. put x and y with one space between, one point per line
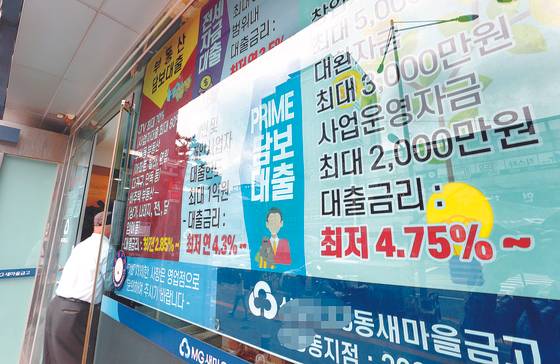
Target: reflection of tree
522 317
191 150
392 40
181 147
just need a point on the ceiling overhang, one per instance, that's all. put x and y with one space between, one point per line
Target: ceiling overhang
64 52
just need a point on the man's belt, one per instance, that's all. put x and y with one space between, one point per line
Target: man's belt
75 300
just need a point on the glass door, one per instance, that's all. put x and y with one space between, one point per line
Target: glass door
112 154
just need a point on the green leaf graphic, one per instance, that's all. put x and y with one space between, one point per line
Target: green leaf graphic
464 115
528 39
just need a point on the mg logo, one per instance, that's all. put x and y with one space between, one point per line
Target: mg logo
262 302
184 348
196 354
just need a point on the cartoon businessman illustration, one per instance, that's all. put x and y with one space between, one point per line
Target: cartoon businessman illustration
274 251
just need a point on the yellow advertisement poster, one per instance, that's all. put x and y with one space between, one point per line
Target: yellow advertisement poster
168 63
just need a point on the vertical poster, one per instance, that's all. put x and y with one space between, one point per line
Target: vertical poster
273 167
152 233
185 206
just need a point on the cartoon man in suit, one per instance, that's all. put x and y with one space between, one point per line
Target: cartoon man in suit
274 251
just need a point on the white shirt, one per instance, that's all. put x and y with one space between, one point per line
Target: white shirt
78 274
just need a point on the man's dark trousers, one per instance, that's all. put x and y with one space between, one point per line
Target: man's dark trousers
65 329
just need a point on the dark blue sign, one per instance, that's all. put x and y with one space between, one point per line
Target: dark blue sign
177 343
17 273
8 134
315 320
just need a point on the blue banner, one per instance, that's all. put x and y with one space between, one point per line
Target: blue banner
317 320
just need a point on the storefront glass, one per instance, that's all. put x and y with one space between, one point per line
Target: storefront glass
347 181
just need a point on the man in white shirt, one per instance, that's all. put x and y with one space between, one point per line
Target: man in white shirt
65 325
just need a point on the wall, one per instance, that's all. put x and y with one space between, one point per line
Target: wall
28 174
26 190
36 143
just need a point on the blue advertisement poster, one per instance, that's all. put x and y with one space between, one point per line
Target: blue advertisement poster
274 172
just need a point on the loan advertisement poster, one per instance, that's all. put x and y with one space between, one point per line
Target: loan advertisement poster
393 182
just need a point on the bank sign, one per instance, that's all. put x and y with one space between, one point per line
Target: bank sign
194 354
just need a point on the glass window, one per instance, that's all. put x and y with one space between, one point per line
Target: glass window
355 183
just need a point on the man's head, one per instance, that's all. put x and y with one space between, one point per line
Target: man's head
274 221
98 224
